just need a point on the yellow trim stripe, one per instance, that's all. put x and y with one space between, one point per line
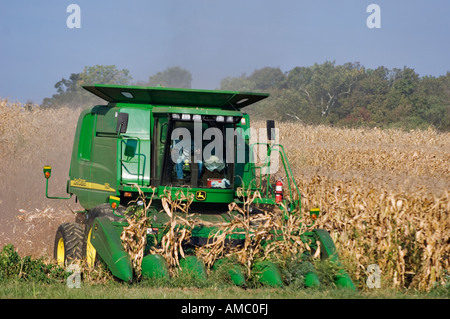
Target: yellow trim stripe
81 183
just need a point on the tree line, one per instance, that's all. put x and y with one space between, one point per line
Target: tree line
347 95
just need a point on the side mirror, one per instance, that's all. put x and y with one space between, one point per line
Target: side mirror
271 130
122 123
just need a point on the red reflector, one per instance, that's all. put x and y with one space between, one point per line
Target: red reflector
127 194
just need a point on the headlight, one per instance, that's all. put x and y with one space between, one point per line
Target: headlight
186 117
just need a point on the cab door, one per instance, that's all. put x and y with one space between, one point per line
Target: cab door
80 168
160 129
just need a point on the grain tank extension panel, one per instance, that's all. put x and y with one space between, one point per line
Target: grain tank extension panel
176 97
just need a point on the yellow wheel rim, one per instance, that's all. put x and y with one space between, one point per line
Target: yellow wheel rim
60 254
90 251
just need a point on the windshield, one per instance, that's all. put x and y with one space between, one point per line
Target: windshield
199 153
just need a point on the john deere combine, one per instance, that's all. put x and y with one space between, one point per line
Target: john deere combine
152 144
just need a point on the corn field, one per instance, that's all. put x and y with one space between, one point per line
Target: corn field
384 197
383 194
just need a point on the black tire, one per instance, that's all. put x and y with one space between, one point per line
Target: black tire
69 243
103 210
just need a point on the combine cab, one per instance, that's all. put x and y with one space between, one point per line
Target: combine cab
182 155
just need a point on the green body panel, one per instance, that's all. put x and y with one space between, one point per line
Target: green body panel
268 273
134 167
312 280
236 275
328 250
154 267
194 267
234 271
172 96
210 195
106 240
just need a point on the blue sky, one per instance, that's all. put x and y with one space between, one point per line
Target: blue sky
213 39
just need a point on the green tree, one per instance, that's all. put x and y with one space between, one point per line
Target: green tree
327 84
241 83
349 95
70 92
104 74
70 85
298 78
175 77
267 78
365 104
431 101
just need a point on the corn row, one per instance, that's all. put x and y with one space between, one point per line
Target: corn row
407 236
178 230
134 236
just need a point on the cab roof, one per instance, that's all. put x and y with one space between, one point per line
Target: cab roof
231 100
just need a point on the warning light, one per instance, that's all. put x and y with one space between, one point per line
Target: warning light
314 213
114 201
47 171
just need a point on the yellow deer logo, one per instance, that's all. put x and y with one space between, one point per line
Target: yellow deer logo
200 195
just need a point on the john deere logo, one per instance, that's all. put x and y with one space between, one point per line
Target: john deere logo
200 195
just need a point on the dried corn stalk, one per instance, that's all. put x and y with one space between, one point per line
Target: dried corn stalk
178 230
134 236
406 235
257 228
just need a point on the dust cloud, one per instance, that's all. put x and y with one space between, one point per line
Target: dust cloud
30 139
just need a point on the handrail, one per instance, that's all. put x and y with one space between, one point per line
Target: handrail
267 165
140 180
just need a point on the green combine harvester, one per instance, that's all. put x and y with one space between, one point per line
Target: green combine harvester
148 141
